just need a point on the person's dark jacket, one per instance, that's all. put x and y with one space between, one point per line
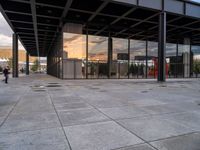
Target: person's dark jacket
5 72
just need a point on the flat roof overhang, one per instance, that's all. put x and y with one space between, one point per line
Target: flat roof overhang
38 22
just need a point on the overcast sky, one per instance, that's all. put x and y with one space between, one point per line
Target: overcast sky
6 34
196 1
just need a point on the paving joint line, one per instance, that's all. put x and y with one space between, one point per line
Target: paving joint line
5 119
59 120
124 127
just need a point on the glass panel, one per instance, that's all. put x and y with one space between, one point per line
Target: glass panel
183 61
74 55
152 58
97 57
120 58
171 59
195 61
137 59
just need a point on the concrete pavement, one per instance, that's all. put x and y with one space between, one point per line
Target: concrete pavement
40 112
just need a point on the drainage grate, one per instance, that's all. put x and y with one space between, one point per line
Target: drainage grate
53 85
39 90
162 85
103 91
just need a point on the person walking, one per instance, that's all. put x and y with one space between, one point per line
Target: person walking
6 72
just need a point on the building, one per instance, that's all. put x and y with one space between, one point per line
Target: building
6 56
109 38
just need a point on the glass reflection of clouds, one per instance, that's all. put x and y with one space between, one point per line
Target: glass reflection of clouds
98 47
152 49
75 45
119 46
170 49
137 48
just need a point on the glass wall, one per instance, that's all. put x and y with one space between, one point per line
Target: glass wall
54 58
140 62
97 57
120 58
195 61
137 64
171 60
152 59
74 55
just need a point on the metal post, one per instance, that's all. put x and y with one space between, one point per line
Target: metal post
176 65
110 49
162 47
15 56
27 63
86 71
128 58
191 61
146 69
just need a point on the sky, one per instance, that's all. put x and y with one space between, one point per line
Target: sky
6 34
196 1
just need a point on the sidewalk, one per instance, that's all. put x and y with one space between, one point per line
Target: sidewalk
40 112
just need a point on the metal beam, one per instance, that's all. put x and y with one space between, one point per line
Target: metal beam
116 20
26 22
134 25
40 4
29 14
33 9
98 10
62 18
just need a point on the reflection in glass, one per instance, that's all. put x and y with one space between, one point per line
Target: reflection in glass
152 58
97 57
171 59
120 57
195 61
137 64
74 55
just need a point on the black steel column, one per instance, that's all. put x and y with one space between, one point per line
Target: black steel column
146 69
86 71
129 58
162 47
191 60
110 49
176 65
27 63
15 56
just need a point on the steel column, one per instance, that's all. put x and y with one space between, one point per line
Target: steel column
86 71
162 47
129 45
110 49
27 63
176 65
146 68
15 56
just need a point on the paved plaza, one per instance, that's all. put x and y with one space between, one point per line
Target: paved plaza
40 112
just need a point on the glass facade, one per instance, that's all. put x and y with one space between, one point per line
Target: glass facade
137 64
119 67
195 61
152 58
97 57
74 55
88 57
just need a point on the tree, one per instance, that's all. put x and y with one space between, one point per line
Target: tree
196 67
35 66
9 62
